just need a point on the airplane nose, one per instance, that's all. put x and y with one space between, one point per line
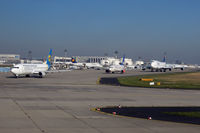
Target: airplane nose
12 70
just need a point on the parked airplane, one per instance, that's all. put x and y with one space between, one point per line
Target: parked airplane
78 65
155 65
179 66
31 69
96 66
75 63
159 66
117 68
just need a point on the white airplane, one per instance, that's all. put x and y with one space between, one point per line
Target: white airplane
32 69
77 65
117 68
179 66
96 66
159 66
163 66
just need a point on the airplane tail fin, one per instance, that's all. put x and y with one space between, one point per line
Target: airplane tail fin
73 60
123 60
48 62
164 59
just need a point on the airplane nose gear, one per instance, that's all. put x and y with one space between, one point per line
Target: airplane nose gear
40 74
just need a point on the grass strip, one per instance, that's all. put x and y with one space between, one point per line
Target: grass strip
186 114
187 80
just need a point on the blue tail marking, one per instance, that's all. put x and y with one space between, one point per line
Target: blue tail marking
49 58
123 60
74 60
164 59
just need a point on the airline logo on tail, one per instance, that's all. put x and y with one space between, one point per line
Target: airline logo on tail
49 58
73 60
123 60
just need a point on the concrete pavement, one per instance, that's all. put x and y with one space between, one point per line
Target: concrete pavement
61 103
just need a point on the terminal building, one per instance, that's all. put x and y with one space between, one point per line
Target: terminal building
89 59
103 60
61 60
114 61
80 59
9 58
28 61
66 62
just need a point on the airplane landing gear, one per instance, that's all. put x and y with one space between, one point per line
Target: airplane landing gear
27 75
40 75
16 76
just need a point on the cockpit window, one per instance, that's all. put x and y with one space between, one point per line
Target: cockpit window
16 67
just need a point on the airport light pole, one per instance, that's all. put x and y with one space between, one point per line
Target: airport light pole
30 55
116 53
165 56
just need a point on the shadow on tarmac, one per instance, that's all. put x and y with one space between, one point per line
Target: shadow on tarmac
155 113
14 77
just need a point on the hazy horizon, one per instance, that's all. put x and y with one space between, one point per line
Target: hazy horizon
136 28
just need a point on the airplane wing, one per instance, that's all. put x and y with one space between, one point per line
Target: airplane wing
55 71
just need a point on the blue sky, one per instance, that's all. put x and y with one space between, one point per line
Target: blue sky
137 28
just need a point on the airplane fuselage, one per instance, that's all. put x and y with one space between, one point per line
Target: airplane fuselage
159 66
28 69
115 68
